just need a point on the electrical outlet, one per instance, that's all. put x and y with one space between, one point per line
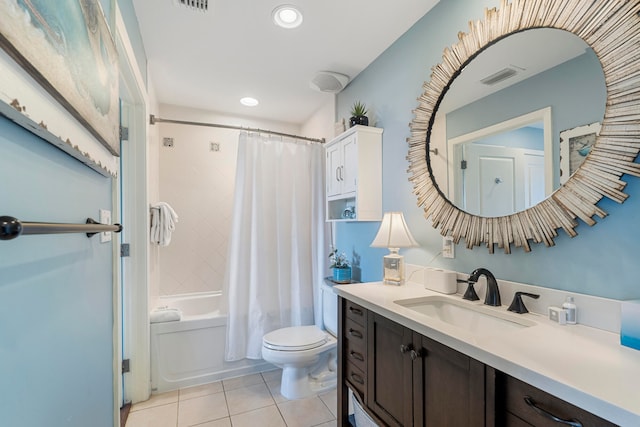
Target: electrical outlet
105 218
448 248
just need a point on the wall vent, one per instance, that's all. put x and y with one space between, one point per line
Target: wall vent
501 75
201 5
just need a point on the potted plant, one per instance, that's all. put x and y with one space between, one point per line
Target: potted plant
358 115
341 267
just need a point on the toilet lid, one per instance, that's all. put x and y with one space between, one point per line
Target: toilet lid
295 338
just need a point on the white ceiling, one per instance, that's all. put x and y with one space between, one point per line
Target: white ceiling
209 60
526 51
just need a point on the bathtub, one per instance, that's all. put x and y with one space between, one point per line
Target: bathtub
191 351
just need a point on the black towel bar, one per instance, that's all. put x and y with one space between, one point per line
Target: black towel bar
11 227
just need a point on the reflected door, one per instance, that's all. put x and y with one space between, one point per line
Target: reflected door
499 180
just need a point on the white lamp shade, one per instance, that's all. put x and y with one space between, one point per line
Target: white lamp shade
393 232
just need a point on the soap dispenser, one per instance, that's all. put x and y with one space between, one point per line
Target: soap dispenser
571 310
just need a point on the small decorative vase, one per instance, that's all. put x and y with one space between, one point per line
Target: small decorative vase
342 275
358 120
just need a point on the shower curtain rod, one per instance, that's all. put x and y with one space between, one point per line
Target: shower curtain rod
153 120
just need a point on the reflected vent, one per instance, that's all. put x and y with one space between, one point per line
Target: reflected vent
501 75
201 5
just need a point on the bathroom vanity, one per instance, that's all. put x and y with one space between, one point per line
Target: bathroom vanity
410 365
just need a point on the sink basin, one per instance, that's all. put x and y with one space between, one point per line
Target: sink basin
473 318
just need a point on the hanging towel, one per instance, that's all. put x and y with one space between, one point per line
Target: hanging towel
165 314
163 223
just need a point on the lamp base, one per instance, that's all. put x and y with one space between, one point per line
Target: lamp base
393 265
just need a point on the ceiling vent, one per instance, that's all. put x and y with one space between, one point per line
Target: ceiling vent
328 81
201 5
501 75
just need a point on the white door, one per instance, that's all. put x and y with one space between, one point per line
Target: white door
534 185
333 167
500 181
350 164
132 318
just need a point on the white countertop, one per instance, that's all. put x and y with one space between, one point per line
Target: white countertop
582 365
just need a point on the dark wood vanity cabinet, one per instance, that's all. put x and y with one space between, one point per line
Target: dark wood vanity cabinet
409 379
519 404
390 369
402 378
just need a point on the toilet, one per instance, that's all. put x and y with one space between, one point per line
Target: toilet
306 354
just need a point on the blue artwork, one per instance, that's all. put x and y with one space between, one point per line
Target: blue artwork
66 46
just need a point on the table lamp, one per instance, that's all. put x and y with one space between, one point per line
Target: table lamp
393 234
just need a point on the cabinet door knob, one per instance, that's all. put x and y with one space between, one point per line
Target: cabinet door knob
548 415
406 348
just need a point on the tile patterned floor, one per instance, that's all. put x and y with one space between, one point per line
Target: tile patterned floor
249 401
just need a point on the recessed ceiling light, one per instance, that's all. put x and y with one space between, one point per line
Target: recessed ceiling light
249 102
287 16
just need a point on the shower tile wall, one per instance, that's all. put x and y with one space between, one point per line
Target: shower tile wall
199 184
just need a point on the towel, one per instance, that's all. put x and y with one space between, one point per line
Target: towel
163 223
165 314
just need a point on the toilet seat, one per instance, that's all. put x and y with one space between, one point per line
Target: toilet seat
295 338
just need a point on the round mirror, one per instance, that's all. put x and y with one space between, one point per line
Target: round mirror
609 148
498 128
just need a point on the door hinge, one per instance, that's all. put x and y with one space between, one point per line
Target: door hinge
124 133
463 164
125 366
124 250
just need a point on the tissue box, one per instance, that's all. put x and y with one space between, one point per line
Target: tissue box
440 280
630 324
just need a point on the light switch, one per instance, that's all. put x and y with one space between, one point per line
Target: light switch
448 249
105 218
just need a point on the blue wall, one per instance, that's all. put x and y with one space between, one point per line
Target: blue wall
601 260
575 91
56 319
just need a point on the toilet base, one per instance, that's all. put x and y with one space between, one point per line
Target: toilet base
298 383
301 382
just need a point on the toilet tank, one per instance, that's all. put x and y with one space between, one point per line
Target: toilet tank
329 309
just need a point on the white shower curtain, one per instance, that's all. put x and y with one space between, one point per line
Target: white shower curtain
276 250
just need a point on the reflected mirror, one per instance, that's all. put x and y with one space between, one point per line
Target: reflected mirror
498 128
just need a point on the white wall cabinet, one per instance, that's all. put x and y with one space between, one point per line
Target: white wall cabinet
354 175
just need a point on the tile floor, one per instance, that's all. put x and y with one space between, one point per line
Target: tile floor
249 401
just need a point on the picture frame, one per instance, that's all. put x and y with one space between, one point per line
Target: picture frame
575 145
68 49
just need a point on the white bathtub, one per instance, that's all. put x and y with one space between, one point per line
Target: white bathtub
191 351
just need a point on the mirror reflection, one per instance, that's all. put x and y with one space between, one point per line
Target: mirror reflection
498 127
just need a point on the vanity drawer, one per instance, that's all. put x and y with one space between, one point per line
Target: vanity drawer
537 407
354 332
356 378
355 312
356 353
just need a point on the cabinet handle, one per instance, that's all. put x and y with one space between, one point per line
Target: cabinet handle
338 173
357 356
406 348
355 311
416 354
532 403
357 378
355 333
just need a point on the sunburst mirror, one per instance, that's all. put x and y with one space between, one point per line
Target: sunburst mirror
611 29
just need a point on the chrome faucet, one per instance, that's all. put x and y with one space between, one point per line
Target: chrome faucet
492 296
